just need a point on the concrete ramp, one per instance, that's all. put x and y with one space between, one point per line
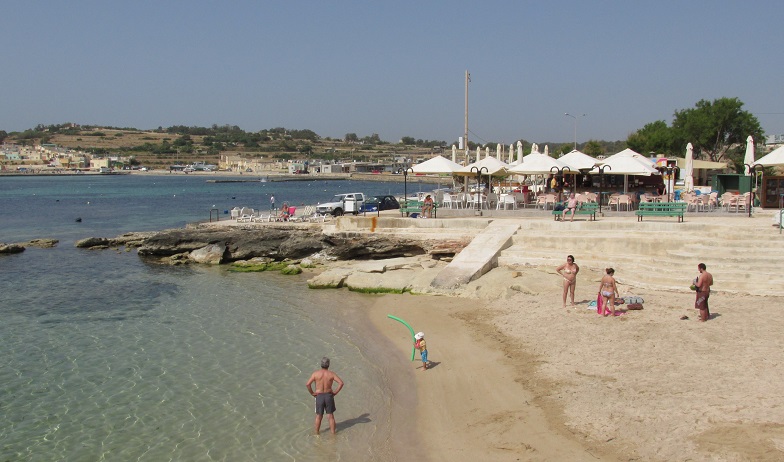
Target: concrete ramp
479 257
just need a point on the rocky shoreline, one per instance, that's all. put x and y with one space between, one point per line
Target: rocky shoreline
222 245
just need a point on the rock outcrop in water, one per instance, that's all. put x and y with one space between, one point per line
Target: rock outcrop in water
21 246
204 244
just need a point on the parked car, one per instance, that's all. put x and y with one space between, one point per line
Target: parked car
376 203
337 205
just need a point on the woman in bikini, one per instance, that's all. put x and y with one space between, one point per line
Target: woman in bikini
608 290
569 272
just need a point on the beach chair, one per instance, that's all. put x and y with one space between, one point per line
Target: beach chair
507 200
492 200
449 201
624 200
245 215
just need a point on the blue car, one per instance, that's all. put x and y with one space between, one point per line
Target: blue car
376 203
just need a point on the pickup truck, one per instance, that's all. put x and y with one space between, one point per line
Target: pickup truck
336 206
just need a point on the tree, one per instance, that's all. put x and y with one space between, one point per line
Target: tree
3 135
653 137
593 148
713 128
408 140
351 138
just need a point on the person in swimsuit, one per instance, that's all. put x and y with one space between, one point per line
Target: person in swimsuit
325 397
568 272
704 282
608 290
571 206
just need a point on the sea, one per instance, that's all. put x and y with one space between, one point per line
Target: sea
105 356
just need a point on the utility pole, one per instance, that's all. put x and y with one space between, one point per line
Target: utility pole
465 135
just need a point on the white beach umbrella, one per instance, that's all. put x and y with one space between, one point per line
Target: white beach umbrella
688 172
749 158
438 164
577 160
537 163
454 153
628 165
487 151
511 153
775 157
546 150
628 162
498 151
493 166
478 153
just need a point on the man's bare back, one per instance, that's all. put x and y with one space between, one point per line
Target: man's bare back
324 378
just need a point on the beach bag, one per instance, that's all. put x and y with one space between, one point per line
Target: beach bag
559 207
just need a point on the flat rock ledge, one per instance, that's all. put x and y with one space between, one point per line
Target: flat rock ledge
21 246
211 245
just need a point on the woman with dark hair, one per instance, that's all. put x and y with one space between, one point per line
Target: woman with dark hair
568 271
608 290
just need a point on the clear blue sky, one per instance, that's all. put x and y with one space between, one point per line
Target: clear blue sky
392 68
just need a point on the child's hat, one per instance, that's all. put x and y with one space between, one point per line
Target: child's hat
420 336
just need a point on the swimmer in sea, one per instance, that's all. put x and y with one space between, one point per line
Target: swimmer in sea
569 272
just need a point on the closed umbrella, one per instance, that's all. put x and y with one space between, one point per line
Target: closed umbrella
454 153
511 153
749 158
519 151
498 151
688 172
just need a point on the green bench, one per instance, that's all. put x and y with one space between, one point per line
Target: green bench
584 208
409 207
661 209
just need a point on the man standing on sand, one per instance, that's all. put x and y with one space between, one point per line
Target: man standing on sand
325 397
704 282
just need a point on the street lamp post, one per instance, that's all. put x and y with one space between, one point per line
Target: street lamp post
601 169
559 173
478 172
752 172
575 127
671 171
405 172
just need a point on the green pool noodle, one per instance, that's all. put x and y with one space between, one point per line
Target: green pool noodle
413 350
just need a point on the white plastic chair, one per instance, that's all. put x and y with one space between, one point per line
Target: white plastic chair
507 200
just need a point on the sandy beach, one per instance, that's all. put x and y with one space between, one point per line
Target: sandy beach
520 378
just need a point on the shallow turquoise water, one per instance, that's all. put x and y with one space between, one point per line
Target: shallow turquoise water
106 357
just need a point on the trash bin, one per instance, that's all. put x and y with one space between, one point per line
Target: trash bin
349 205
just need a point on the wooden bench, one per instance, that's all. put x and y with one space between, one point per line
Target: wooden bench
584 208
661 209
409 207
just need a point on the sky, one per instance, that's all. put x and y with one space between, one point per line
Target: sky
391 68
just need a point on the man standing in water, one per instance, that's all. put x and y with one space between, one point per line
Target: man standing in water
704 282
325 397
